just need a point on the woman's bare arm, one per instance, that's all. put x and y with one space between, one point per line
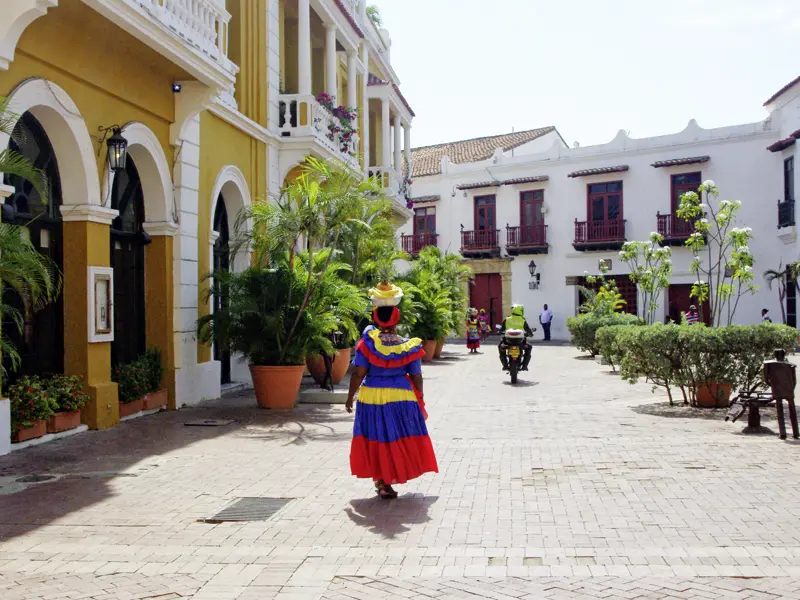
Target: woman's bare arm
417 381
355 382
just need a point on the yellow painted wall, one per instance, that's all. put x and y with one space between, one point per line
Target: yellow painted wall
248 49
291 76
317 71
230 147
158 301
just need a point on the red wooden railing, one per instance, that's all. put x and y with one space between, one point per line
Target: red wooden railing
673 227
486 239
412 244
527 235
599 231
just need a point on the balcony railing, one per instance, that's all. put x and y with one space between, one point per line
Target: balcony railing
413 244
302 116
786 214
485 241
202 23
674 229
527 239
599 235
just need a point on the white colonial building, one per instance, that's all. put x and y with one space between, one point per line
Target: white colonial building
507 200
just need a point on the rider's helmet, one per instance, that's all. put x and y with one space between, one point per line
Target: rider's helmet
518 310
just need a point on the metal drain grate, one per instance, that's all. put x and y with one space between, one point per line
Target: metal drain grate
250 509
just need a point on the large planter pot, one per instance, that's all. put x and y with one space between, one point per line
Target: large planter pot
126 409
316 366
430 350
64 421
713 395
276 387
154 400
30 433
439 347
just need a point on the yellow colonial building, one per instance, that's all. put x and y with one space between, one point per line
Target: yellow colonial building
213 103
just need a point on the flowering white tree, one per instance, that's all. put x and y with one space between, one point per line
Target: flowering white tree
651 266
723 262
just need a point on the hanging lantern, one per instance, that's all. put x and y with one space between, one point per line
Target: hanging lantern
532 268
117 151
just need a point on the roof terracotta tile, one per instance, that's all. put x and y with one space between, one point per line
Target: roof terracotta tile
674 162
599 171
426 160
781 91
426 199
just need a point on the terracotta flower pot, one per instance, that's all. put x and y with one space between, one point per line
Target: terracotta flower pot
130 408
439 347
713 395
64 421
30 433
276 387
340 365
154 400
430 350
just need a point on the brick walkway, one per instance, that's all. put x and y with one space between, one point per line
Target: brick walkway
573 484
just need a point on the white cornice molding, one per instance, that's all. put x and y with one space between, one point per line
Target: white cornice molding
17 16
243 123
88 212
6 191
161 228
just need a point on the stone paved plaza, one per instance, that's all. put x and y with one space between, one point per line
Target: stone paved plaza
573 484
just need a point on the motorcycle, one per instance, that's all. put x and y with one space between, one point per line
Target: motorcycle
514 340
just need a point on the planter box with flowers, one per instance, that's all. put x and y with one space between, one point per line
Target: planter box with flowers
140 384
67 397
342 128
31 407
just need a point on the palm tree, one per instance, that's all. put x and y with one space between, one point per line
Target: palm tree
778 276
33 276
374 15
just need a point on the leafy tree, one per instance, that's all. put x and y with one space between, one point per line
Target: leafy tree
720 251
778 277
650 267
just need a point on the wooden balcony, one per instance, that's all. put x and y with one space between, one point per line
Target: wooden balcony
477 244
673 229
599 235
528 239
413 244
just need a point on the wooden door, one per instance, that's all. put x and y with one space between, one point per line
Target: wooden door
485 213
531 218
678 295
486 293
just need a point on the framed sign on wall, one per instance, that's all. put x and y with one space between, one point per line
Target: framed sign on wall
101 304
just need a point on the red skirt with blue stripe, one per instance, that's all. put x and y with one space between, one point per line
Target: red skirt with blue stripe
390 438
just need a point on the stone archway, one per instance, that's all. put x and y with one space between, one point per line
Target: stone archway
499 266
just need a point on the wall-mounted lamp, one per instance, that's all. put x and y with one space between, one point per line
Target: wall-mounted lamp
533 284
117 147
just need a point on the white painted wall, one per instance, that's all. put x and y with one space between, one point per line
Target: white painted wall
740 165
5 426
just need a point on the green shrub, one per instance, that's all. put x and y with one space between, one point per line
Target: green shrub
132 381
153 369
583 328
67 393
30 402
611 344
687 356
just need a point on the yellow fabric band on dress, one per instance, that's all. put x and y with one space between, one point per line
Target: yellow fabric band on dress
368 395
382 348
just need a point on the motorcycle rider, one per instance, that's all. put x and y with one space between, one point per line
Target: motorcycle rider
516 321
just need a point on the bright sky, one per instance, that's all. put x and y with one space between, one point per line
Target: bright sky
472 68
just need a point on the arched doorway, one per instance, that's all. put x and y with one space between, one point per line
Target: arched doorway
222 262
41 345
128 240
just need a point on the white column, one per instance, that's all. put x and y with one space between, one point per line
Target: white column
386 138
365 132
331 70
304 46
352 76
398 144
407 132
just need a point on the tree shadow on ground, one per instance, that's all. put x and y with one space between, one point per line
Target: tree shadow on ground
583 357
88 466
682 411
389 518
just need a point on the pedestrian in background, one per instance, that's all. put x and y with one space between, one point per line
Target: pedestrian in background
546 319
765 316
692 318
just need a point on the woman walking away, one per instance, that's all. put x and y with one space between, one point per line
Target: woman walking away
473 331
483 319
390 440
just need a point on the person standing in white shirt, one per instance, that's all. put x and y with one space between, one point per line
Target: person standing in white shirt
546 318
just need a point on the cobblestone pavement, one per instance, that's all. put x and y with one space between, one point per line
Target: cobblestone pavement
572 484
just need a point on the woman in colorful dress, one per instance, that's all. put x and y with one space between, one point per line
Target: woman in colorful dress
473 331
483 319
390 440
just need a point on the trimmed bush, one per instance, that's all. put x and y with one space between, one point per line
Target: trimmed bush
687 356
610 341
583 328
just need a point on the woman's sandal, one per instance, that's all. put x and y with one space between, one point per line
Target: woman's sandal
385 491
